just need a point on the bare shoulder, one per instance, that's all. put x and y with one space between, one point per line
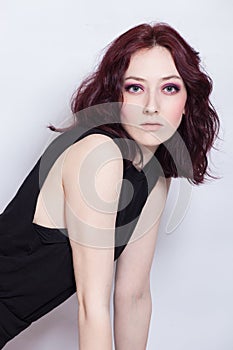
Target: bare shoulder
96 154
94 142
162 185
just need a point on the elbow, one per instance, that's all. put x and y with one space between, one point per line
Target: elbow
91 306
125 296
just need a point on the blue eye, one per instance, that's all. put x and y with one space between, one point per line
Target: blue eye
133 88
171 88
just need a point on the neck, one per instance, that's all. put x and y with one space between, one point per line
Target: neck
148 152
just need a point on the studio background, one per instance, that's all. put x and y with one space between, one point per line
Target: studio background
47 48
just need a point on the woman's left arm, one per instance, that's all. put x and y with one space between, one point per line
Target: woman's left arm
132 297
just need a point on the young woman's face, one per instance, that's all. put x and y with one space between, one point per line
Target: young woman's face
154 97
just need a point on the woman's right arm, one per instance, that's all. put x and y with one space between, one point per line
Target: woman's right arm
92 174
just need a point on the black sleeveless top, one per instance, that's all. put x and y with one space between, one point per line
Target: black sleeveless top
36 265
16 226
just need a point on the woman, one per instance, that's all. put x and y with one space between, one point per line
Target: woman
96 194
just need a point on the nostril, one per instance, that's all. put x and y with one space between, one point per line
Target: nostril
150 110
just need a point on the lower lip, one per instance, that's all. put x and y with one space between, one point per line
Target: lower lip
151 126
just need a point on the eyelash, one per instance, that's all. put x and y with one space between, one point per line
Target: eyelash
175 87
128 87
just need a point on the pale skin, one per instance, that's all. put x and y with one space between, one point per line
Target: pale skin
93 255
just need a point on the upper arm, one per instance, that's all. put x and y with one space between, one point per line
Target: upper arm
92 174
151 213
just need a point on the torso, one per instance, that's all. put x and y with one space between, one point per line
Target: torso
41 197
49 210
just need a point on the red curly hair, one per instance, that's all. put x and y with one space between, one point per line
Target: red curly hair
198 129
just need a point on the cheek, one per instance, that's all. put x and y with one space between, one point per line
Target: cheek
124 115
130 112
124 111
176 110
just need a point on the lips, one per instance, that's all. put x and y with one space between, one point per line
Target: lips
151 126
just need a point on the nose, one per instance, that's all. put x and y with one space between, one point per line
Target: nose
151 105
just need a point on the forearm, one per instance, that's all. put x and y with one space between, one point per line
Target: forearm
94 330
132 322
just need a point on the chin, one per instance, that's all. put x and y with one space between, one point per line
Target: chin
147 140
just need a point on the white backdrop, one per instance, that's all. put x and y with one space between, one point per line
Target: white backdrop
47 47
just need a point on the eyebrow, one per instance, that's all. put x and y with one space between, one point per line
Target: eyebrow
163 78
